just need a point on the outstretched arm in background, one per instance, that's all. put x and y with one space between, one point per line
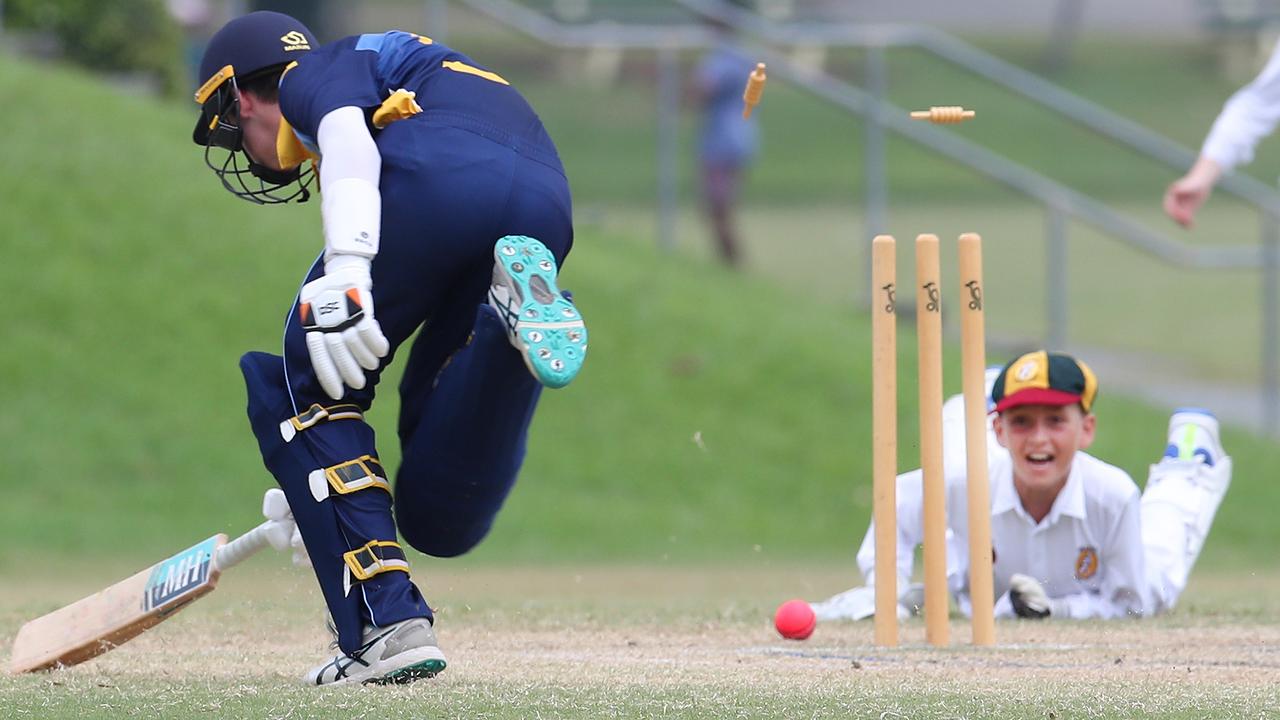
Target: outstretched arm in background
1185 196
1250 115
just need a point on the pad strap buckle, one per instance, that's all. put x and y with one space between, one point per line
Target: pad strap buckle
352 476
315 415
375 558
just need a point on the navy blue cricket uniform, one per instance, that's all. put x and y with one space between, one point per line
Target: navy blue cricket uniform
473 166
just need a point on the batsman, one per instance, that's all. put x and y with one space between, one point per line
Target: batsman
445 212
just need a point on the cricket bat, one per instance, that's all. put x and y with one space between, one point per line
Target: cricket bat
117 614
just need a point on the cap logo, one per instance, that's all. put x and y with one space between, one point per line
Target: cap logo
294 40
1026 371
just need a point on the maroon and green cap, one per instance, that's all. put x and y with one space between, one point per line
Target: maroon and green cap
1044 378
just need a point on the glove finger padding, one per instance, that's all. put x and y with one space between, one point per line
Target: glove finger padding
371 334
344 360
359 349
326 372
300 556
1028 598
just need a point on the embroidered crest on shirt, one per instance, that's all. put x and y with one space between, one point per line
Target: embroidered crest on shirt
1086 563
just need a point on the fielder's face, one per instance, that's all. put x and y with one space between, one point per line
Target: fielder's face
1042 440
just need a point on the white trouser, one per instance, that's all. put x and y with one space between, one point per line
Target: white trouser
1178 505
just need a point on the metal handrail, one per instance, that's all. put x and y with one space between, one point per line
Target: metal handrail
591 35
1017 177
958 52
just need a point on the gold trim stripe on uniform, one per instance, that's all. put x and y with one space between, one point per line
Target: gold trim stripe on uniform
462 67
289 149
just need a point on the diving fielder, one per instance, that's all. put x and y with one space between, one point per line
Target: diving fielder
1072 536
445 207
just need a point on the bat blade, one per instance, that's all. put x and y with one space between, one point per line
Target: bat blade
117 614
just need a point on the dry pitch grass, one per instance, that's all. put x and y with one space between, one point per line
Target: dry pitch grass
663 642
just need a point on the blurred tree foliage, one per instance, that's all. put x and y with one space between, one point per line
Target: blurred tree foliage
117 36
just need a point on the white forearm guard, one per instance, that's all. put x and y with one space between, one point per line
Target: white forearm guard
349 175
352 213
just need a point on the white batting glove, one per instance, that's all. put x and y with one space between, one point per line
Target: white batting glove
343 338
284 533
300 556
276 509
1028 598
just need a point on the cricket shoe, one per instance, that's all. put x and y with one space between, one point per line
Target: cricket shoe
1193 432
392 655
1194 473
541 323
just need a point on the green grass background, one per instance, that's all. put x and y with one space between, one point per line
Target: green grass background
135 283
720 428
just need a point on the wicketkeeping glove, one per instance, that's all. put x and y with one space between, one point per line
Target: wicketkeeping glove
343 338
1028 597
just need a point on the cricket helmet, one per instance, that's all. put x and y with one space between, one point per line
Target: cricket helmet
246 48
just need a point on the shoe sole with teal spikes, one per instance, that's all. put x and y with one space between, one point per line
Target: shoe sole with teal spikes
543 325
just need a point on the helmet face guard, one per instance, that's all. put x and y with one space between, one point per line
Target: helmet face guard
219 131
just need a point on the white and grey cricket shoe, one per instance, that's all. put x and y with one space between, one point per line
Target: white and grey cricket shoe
541 323
392 655
1193 433
1195 451
1193 475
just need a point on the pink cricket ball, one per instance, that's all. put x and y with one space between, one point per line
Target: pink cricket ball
795 620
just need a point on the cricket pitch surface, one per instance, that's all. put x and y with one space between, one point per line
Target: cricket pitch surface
661 642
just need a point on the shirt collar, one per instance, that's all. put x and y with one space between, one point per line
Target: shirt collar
1070 500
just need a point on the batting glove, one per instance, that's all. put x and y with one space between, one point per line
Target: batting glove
1028 598
300 556
343 338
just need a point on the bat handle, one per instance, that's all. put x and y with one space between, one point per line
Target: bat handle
240 549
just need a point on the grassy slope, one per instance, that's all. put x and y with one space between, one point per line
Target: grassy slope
136 282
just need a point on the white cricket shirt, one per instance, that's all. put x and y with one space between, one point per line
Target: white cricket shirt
1087 552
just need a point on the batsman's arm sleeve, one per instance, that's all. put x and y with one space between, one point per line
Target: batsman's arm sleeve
1248 116
351 205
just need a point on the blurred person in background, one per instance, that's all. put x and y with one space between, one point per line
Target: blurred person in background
195 18
727 143
443 199
1247 117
